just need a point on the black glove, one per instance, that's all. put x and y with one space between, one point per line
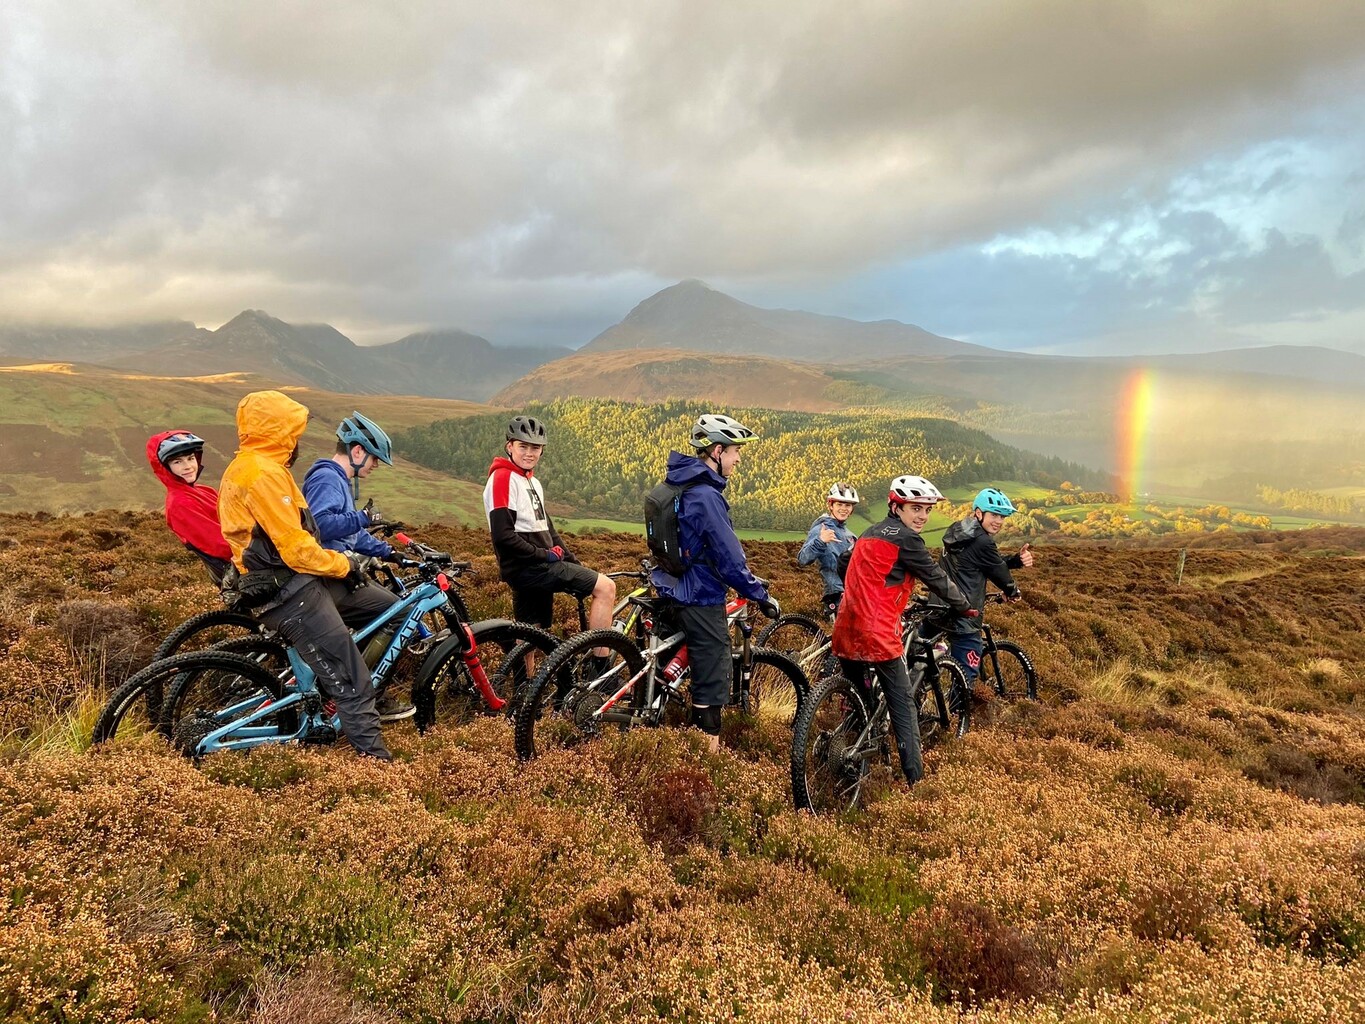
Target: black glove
360 565
395 556
769 607
1013 594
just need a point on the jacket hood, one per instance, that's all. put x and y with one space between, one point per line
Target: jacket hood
502 462
270 424
686 469
964 531
167 478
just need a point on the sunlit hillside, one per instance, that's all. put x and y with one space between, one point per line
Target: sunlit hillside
1176 834
75 437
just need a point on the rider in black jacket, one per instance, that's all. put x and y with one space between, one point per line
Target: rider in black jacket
971 558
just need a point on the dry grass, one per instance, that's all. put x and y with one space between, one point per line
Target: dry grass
1178 836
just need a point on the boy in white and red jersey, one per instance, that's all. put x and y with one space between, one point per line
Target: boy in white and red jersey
532 559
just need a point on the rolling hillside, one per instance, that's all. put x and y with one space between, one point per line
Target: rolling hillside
1207 429
74 437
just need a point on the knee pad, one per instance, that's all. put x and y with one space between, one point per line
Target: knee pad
707 719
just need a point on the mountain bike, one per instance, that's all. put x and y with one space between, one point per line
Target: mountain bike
215 627
844 726
1005 666
642 681
255 690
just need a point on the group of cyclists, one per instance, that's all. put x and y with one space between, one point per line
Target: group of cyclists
298 558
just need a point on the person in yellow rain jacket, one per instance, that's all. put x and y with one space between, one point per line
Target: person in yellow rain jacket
291 582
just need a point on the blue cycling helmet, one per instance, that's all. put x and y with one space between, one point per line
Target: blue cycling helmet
361 430
991 500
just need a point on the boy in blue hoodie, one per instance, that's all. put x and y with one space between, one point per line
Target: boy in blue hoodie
830 537
330 488
715 563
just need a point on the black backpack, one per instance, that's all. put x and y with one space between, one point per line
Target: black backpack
661 526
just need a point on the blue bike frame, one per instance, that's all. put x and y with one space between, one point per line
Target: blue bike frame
240 730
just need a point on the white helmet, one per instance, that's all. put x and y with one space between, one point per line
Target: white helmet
914 489
716 428
842 492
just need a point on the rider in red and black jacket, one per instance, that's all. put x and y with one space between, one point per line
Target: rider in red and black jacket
882 569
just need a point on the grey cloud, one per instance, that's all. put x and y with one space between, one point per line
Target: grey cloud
447 163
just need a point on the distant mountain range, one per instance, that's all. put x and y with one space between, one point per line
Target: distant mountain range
1282 412
437 364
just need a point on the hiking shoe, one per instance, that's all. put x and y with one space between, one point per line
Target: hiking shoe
391 710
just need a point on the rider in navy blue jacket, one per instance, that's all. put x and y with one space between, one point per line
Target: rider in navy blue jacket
341 526
715 563
329 490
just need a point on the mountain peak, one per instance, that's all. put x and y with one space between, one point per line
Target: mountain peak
693 315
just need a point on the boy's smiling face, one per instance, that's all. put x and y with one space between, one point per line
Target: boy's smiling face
186 467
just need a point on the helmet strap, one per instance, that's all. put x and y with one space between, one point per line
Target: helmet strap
356 467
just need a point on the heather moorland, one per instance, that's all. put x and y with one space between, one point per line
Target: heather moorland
1176 834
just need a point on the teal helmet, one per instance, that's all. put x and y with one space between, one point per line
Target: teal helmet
991 500
361 430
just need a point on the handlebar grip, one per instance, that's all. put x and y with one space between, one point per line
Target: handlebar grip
403 538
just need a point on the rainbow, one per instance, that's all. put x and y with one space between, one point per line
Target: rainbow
1136 403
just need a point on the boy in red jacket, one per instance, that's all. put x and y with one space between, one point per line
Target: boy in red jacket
177 459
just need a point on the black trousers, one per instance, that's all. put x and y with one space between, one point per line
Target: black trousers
895 682
708 651
314 618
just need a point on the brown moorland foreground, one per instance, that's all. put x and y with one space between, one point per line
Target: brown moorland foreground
1178 835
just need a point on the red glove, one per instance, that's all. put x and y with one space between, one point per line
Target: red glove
554 554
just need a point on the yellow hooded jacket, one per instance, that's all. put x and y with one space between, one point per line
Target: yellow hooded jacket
265 519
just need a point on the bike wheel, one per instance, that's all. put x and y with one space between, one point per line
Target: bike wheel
934 718
827 770
207 684
137 707
265 651
558 708
1017 678
803 640
777 689
952 683
206 629
445 688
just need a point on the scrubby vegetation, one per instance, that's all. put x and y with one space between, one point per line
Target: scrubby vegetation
605 455
1178 835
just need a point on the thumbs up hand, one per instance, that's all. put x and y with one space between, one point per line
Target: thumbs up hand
1026 557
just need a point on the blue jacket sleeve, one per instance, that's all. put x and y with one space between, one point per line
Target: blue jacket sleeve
814 548
723 549
331 506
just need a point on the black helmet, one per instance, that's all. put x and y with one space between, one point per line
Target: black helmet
527 429
179 444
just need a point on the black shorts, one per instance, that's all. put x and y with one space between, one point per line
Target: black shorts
534 590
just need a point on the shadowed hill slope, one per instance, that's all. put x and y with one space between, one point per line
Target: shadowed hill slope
75 437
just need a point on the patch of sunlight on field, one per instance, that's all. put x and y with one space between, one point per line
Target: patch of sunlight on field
1127 685
1209 582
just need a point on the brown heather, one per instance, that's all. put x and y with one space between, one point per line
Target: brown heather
1178 834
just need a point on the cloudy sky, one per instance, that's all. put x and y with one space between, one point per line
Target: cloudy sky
1059 175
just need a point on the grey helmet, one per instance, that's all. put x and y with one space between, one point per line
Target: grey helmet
527 429
715 428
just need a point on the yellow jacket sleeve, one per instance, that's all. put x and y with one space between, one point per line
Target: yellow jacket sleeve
276 503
